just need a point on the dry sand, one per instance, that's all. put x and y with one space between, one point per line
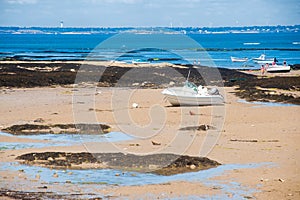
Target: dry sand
276 131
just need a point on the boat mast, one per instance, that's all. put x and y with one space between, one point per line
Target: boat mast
188 76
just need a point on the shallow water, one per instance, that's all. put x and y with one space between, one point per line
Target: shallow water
109 177
259 104
62 140
20 145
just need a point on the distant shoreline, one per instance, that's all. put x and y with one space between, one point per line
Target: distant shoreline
182 30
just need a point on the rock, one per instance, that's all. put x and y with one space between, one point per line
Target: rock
43 187
39 120
216 187
56 130
192 113
166 164
50 159
33 129
229 195
171 83
134 145
263 180
68 181
135 84
155 143
192 166
151 167
37 176
144 83
281 180
203 127
135 105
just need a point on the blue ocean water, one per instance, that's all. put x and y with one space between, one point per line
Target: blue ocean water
151 46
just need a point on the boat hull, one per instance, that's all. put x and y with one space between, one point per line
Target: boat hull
263 61
181 97
194 101
235 59
278 68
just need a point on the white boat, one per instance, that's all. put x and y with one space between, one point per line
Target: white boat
262 60
235 59
191 95
278 68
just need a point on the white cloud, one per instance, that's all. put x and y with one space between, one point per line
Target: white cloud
22 1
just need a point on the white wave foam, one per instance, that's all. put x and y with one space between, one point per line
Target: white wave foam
251 43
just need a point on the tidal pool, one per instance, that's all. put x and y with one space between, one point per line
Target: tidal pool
61 140
111 177
258 104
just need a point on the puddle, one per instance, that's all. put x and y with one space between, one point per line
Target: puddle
91 179
111 177
259 104
19 145
62 140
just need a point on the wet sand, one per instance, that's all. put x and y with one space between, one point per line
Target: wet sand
250 134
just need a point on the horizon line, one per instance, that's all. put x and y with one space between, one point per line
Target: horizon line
136 27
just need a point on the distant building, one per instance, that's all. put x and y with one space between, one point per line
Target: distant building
61 24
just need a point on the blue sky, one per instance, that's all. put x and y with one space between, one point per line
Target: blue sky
148 13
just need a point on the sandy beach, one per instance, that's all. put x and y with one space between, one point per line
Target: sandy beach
263 136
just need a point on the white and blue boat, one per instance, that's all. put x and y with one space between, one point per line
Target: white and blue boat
191 95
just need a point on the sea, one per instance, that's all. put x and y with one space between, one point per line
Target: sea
211 47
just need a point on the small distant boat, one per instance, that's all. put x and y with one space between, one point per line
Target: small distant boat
191 95
262 60
235 59
278 68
